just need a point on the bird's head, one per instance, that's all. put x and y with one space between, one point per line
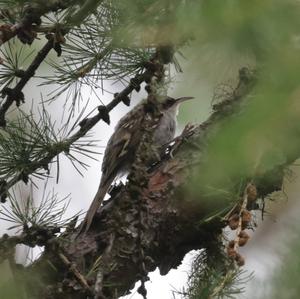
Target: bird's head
171 104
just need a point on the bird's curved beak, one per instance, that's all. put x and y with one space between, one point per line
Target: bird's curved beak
183 99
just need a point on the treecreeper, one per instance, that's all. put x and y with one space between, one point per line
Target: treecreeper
121 148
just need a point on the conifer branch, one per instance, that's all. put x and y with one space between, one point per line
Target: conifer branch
32 14
87 124
16 94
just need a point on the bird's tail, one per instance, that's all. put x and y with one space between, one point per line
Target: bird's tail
97 201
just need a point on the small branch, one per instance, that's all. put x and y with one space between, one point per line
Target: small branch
218 289
239 222
33 236
89 123
15 94
31 15
80 278
242 209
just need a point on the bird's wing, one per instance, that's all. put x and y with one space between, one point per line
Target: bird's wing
120 149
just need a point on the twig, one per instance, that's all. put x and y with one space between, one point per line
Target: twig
243 208
80 278
217 290
31 15
15 94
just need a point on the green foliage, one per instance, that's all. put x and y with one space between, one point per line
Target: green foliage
27 146
15 58
265 134
214 275
24 142
47 212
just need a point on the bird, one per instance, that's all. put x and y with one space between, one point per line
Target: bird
121 148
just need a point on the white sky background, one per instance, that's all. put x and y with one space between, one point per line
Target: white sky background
83 189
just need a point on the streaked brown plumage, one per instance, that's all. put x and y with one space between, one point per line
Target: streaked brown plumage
121 148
